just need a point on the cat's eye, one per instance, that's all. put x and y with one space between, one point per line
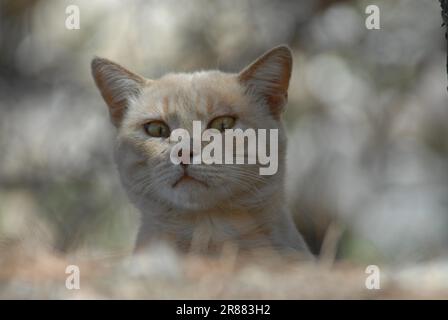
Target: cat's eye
222 123
157 129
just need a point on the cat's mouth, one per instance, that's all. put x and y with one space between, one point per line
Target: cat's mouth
185 178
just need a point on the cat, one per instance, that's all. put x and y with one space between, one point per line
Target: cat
198 207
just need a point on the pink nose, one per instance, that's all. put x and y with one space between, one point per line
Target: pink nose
185 159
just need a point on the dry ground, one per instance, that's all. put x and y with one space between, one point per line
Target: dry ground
163 274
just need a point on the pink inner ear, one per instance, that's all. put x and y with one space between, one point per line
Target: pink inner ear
269 77
276 104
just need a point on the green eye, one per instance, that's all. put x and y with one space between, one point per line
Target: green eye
222 123
157 129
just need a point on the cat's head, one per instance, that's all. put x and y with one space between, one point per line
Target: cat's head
145 112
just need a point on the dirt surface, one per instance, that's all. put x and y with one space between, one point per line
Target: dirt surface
163 274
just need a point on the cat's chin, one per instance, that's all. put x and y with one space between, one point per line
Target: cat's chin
191 195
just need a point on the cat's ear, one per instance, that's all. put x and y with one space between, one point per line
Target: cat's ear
117 86
268 78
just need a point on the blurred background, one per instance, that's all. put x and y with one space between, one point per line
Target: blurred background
367 117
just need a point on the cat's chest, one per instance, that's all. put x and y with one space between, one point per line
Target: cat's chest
210 232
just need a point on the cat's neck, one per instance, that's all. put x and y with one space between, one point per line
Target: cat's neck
266 224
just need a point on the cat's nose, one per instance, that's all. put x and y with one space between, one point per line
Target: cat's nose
185 160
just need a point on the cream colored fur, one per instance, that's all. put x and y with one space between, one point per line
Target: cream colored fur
236 205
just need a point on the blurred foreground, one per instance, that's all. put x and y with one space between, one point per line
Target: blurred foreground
162 274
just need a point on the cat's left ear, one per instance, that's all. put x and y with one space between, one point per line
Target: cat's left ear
268 78
117 86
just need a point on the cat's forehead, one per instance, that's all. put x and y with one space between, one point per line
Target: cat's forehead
203 82
193 94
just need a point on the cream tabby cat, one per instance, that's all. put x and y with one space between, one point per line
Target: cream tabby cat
196 206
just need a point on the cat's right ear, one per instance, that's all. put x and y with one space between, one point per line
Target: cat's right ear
117 86
268 78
